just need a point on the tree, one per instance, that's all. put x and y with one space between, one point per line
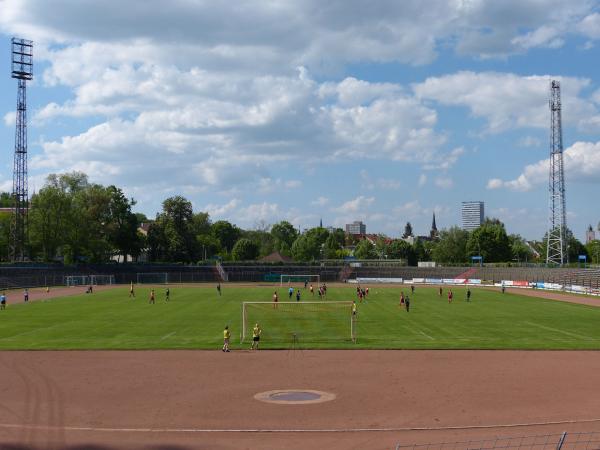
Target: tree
451 248
226 233
306 248
122 224
519 248
176 221
593 251
408 231
284 235
365 250
489 241
399 249
244 250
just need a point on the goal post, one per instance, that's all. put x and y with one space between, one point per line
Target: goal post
287 278
306 322
97 280
152 278
77 280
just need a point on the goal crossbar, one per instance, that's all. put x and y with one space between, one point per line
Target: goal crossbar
309 321
286 278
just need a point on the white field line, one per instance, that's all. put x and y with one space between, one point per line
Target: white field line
292 430
168 335
567 333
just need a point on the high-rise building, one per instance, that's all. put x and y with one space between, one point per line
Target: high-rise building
356 227
472 215
590 235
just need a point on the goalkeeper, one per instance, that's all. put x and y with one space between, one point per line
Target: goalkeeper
255 337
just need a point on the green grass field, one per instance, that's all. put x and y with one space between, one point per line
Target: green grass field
196 316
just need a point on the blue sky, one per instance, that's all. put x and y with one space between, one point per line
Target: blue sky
263 111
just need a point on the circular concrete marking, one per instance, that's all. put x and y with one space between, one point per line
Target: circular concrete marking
294 396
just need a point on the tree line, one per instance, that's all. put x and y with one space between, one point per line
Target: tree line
76 221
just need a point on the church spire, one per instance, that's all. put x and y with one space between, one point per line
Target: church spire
321 223
434 231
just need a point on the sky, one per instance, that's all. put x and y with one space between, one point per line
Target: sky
342 110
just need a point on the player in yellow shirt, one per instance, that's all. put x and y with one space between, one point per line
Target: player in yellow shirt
353 309
226 336
255 337
131 291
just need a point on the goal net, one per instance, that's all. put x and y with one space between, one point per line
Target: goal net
290 322
287 279
77 280
102 279
153 278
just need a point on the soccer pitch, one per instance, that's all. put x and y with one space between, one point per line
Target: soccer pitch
195 318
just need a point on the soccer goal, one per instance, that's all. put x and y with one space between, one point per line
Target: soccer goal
77 280
97 280
152 278
303 322
287 279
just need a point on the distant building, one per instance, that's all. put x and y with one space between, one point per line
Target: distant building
433 234
356 227
590 235
472 215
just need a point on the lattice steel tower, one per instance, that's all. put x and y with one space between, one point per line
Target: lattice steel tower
22 70
557 226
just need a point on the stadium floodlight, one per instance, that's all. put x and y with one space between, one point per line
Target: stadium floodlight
289 322
152 278
310 278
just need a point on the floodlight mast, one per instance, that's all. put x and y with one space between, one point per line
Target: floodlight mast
556 253
22 70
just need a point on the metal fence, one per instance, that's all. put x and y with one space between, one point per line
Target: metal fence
559 441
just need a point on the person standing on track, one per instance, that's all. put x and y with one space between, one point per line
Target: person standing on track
226 337
26 295
255 337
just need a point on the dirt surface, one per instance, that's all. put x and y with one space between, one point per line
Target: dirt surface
557 295
205 400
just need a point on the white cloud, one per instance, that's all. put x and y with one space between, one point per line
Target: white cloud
10 119
444 183
360 203
321 201
529 141
446 160
222 211
506 101
590 26
422 180
581 160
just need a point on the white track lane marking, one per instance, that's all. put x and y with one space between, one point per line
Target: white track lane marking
294 430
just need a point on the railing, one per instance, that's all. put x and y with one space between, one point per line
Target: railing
562 441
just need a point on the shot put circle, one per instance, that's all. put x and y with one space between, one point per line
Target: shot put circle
294 396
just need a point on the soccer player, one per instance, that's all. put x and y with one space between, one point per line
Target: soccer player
167 295
151 296
450 296
312 290
503 288
441 291
401 299
275 299
320 294
412 288
360 296
298 295
324 289
468 294
26 295
367 291
305 283
255 337
131 291
47 289
290 292
2 301
353 309
226 336
219 288
407 303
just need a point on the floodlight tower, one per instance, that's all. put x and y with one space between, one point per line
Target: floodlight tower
22 70
557 226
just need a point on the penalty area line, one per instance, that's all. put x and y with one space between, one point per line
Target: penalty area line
292 430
